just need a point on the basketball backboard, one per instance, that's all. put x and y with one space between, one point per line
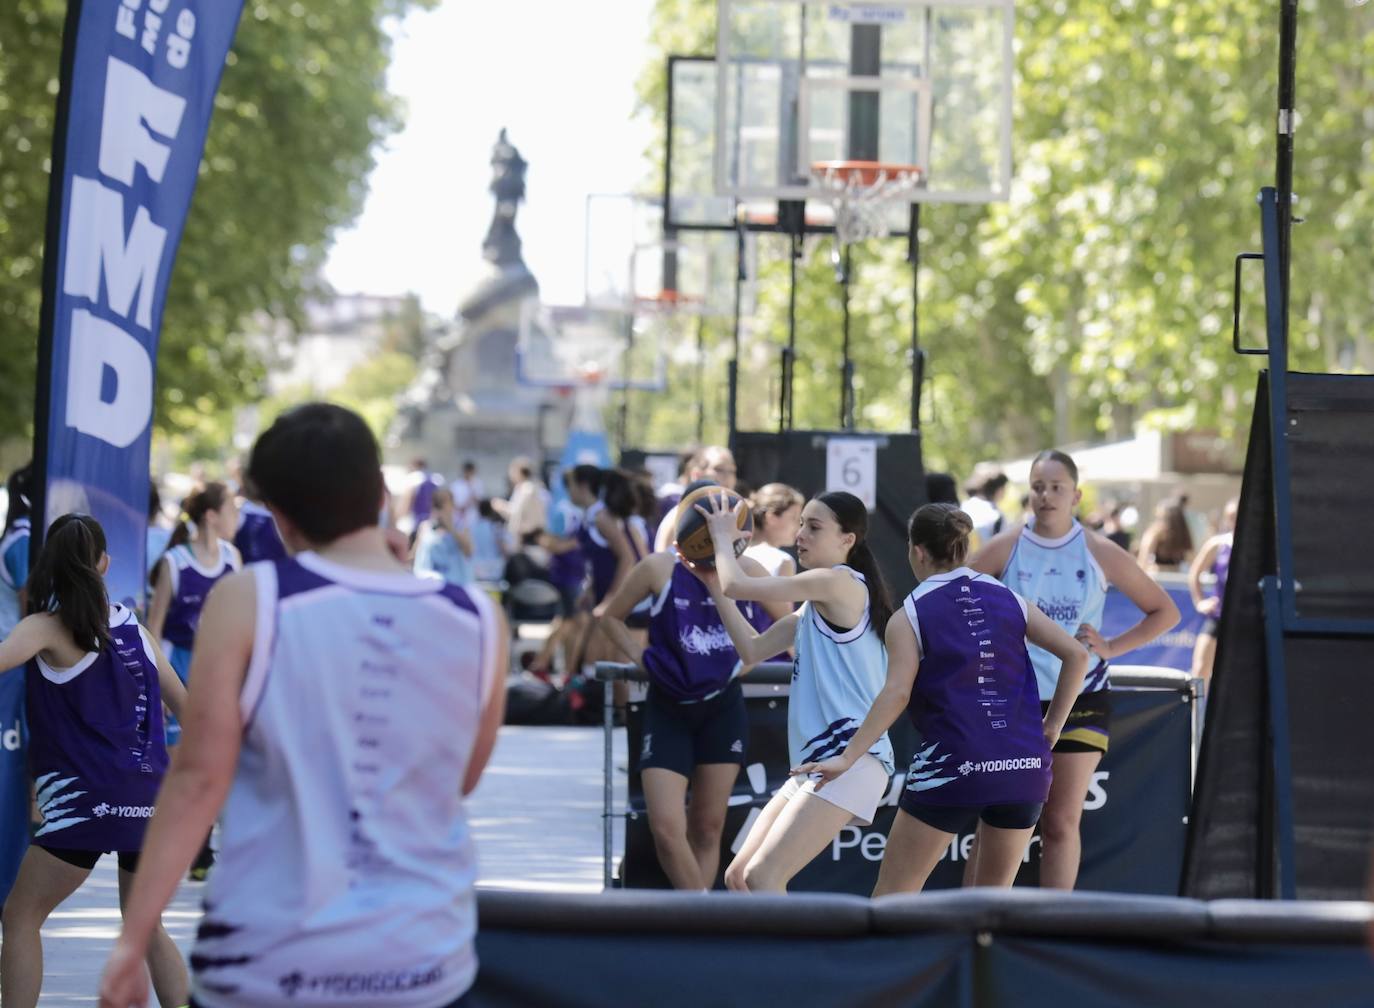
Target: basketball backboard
570 346
797 82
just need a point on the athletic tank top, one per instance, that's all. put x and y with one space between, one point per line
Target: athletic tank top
835 678
1064 581
12 545
257 537
601 560
346 869
769 557
191 583
975 702
690 655
1221 565
97 751
568 570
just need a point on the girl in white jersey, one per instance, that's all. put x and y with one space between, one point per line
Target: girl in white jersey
838 672
341 709
1065 569
777 510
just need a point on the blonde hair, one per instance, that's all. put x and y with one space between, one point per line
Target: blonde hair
774 498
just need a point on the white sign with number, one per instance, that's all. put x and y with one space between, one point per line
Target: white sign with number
851 464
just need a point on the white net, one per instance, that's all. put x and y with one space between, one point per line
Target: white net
862 194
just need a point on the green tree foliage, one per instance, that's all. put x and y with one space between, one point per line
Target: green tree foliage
1099 295
300 109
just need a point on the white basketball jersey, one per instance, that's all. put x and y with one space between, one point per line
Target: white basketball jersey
346 866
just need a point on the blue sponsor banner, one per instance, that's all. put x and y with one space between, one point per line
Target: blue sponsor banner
139 85
14 778
1172 650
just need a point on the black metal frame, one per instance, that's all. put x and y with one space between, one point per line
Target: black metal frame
1282 617
791 221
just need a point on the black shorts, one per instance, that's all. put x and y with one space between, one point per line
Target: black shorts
682 736
638 620
568 598
86 859
961 818
1209 628
1088 728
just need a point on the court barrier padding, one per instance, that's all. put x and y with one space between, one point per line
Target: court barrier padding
949 949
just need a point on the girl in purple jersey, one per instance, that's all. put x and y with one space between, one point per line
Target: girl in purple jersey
957 663
695 726
96 682
1215 555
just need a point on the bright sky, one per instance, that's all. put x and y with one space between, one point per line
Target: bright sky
559 76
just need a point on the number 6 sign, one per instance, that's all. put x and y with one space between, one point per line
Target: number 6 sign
851 464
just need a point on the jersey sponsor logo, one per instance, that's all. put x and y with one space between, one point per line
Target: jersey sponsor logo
344 984
122 811
646 750
1061 610
737 746
704 640
1002 765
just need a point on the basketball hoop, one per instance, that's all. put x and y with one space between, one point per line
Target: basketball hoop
669 302
862 192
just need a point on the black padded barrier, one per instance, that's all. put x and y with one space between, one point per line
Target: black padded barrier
953 949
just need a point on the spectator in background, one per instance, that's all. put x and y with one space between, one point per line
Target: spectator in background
670 493
713 463
1215 556
14 550
1113 528
442 546
941 489
526 511
777 513
984 489
159 534
1167 544
414 506
467 492
488 536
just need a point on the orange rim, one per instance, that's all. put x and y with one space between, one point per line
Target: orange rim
865 173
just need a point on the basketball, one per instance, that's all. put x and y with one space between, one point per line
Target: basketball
693 540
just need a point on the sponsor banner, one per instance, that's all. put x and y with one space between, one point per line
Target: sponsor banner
1171 650
138 87
14 779
1134 820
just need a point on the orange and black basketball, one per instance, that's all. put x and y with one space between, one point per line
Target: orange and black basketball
693 540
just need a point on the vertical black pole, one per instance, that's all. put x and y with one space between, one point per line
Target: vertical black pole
1283 174
623 421
732 401
913 256
789 353
701 379
846 362
47 315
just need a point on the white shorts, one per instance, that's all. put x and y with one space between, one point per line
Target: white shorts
858 790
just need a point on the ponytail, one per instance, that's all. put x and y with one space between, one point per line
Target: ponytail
66 580
852 516
210 497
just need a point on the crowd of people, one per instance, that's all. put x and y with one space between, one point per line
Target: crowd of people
308 571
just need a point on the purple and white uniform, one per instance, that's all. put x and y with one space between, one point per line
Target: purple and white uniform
975 701
257 537
96 749
191 583
347 871
1221 567
690 656
600 558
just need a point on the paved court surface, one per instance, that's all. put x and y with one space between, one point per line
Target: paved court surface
536 816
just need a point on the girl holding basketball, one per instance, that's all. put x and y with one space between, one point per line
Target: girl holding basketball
839 669
957 661
695 727
1065 569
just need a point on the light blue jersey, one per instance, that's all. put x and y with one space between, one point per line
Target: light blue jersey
835 679
438 552
1064 581
14 571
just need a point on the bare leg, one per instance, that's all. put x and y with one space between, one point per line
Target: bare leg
971 862
734 874
1204 655
43 882
801 831
1003 852
711 787
168 969
913 850
665 798
1061 848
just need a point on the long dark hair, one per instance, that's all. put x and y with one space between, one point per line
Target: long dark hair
19 487
852 515
210 497
66 580
618 492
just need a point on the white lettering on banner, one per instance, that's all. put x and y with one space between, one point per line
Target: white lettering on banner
96 345
1097 791
179 42
11 738
130 100
98 214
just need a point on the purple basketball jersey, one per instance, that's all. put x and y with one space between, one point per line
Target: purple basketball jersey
191 583
690 655
1221 566
96 750
975 701
257 537
600 558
